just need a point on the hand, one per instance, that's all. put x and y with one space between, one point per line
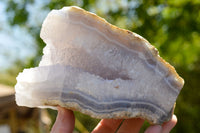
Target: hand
65 124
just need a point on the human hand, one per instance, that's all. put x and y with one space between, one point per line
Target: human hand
65 124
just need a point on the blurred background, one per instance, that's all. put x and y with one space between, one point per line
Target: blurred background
172 26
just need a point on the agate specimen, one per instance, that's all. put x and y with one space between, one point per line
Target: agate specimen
98 69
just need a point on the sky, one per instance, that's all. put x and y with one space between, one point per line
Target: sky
15 42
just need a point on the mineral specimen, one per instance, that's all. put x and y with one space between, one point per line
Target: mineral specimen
98 69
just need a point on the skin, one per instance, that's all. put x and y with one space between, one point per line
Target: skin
65 122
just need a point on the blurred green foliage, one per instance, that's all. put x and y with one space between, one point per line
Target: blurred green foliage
172 26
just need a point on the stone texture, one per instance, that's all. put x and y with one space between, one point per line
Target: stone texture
98 69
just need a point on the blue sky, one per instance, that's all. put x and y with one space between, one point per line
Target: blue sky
16 42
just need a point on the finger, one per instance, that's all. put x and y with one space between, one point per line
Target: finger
64 122
131 125
154 129
107 126
167 127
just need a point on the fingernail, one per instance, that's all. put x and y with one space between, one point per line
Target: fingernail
168 126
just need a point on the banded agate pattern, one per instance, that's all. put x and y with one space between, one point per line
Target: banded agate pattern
98 69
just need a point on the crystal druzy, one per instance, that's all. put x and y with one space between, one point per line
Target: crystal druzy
98 69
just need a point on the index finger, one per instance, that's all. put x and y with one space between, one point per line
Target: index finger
64 122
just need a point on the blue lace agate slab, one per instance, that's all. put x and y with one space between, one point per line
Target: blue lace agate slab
98 69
